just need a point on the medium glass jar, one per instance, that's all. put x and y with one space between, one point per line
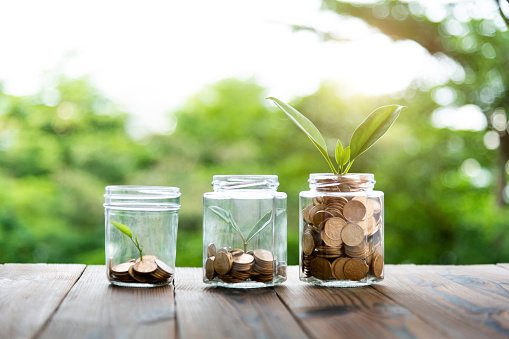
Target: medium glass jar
141 234
244 232
341 231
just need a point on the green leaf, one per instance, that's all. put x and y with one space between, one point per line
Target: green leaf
122 228
346 156
262 223
371 129
339 154
307 127
228 218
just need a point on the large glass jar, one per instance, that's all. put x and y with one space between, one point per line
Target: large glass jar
141 234
341 231
244 232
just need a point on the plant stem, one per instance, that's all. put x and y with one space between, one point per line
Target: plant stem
138 247
348 168
331 165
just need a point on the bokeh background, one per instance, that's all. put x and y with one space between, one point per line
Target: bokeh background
94 94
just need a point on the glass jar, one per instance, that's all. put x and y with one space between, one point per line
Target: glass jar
341 231
141 234
244 232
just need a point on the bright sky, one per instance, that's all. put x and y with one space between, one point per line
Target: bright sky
151 56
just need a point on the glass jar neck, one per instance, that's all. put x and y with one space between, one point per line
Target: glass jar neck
353 182
132 196
223 183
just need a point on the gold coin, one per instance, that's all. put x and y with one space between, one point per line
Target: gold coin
140 277
355 269
122 268
147 257
321 216
263 255
308 243
163 269
210 272
354 211
337 268
317 200
242 262
236 251
222 250
145 266
320 268
305 213
378 265
314 210
352 235
211 250
330 242
333 228
223 263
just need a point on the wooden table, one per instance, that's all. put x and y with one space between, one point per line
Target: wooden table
76 301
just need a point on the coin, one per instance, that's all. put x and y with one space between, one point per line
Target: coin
337 268
145 266
355 269
163 271
378 265
242 262
236 251
140 277
305 213
263 255
314 210
352 234
210 272
223 263
330 242
147 257
321 216
333 228
308 243
211 250
122 268
354 211
320 268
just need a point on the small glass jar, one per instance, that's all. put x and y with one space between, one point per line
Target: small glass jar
141 234
244 232
341 231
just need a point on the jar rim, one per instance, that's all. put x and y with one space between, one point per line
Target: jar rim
154 192
227 182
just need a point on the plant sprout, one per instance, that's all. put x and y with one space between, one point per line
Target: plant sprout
124 229
368 132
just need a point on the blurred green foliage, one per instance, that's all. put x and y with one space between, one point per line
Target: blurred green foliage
56 159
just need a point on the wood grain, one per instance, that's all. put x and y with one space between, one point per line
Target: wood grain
215 312
96 309
506 266
30 293
349 312
453 309
489 280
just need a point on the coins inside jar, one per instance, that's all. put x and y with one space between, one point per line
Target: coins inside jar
235 266
149 270
342 235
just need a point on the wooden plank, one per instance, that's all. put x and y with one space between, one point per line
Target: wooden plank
491 280
350 312
454 309
204 311
96 309
30 293
506 266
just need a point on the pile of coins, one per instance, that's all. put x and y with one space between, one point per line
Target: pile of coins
341 238
150 270
235 266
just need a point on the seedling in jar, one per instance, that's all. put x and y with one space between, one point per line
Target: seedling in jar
368 132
